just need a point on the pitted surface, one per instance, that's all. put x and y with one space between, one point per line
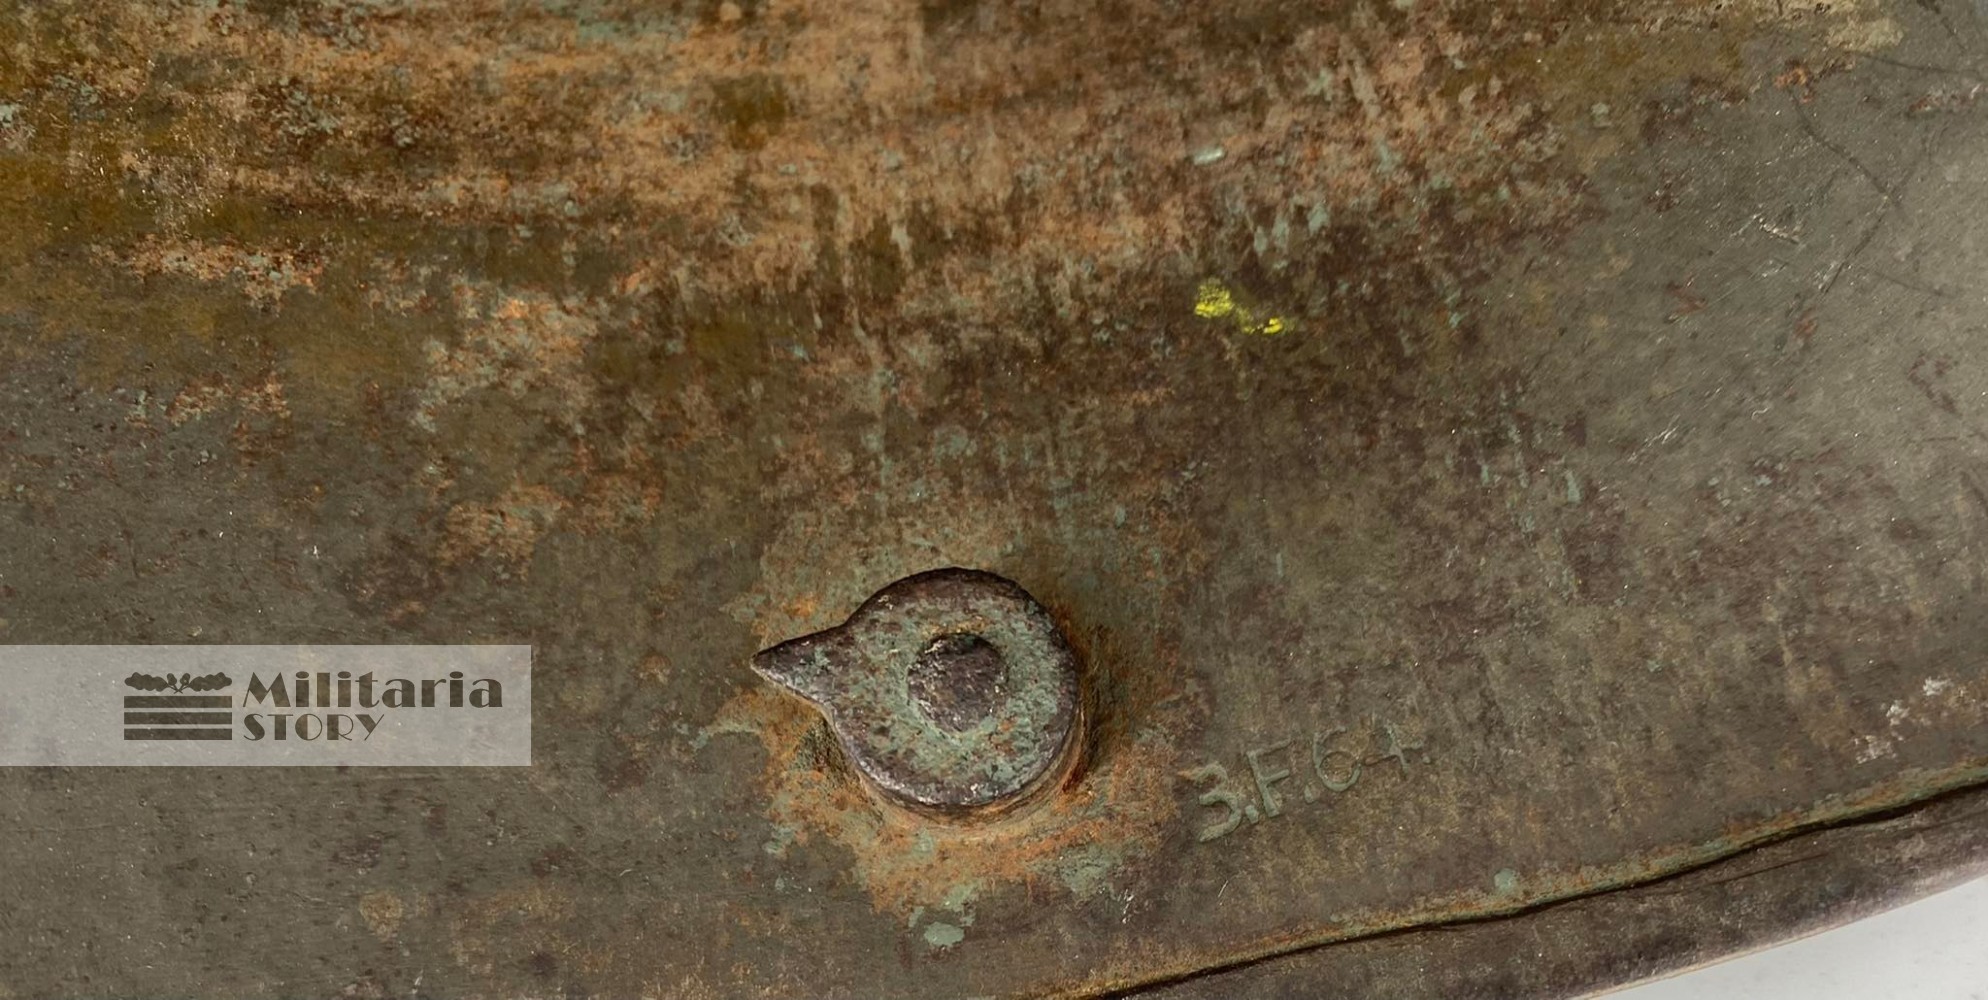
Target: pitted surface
1480 454
951 689
957 681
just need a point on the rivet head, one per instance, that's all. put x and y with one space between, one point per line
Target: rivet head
952 690
958 681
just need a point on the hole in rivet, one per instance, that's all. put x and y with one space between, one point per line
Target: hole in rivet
957 681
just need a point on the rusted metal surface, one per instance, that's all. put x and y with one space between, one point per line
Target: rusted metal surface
951 690
1480 454
1808 883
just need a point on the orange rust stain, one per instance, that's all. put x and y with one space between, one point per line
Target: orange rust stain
205 396
1116 804
264 273
803 608
507 528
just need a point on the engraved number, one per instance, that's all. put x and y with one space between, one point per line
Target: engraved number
1217 794
1321 753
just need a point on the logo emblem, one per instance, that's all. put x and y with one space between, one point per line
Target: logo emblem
179 715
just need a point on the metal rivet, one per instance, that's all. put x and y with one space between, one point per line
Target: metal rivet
951 690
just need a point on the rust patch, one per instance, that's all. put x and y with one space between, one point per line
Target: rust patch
1108 814
264 275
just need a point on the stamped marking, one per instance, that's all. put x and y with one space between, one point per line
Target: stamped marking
1308 769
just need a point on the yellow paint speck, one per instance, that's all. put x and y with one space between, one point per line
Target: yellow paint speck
1214 300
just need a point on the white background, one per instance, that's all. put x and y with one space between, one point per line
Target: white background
1930 949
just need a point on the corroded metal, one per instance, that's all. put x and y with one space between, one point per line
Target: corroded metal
1812 881
1484 454
950 690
